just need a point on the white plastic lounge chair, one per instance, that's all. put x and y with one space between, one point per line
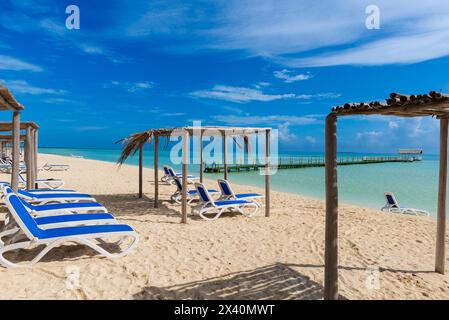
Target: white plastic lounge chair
42 190
59 208
45 198
228 193
208 205
55 167
53 184
191 194
51 238
166 175
173 174
393 206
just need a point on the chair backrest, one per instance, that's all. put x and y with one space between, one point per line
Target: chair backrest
7 190
166 171
204 194
23 218
21 178
225 187
391 200
171 172
178 183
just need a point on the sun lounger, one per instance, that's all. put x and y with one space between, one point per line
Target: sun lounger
393 206
59 208
191 194
173 174
53 184
45 198
55 167
51 238
228 193
208 205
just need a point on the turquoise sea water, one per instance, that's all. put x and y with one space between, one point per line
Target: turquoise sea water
415 184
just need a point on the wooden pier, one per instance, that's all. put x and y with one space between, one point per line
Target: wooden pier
310 162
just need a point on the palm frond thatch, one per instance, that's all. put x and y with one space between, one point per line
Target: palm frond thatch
135 141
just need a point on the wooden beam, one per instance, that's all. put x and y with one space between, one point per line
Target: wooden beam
225 156
185 157
440 256
15 151
267 171
140 173
35 154
156 171
28 149
331 232
201 156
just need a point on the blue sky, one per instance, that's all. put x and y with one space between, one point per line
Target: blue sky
134 65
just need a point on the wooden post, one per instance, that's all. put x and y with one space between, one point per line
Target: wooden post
15 151
185 157
28 156
267 175
156 171
331 233
35 153
201 156
441 218
225 156
140 172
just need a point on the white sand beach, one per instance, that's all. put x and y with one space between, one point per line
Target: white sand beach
280 257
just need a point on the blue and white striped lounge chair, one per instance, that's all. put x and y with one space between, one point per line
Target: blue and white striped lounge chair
173 175
228 193
53 184
208 205
90 235
393 206
44 198
59 208
191 194
55 167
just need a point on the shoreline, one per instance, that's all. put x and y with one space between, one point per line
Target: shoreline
261 189
279 257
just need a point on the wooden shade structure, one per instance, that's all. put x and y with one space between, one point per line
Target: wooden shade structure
433 104
28 135
8 102
136 141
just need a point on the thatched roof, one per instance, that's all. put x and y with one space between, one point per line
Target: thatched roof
7 100
432 104
136 140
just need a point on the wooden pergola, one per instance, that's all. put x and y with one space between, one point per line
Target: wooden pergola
29 138
9 103
433 104
136 141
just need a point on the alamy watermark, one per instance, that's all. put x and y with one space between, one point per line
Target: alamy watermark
243 147
73 21
372 22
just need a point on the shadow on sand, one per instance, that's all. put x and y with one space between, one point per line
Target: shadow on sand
277 281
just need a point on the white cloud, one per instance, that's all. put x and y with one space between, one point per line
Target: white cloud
369 134
133 86
310 139
287 31
89 128
244 95
263 120
393 125
289 77
23 87
284 133
239 94
14 64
